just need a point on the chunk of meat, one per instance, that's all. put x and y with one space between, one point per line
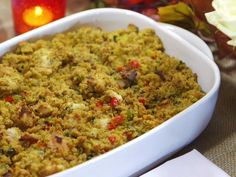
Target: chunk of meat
97 83
43 109
28 139
113 94
58 144
25 117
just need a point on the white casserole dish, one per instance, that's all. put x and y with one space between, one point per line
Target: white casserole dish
151 148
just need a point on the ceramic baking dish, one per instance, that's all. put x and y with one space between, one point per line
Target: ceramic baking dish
151 148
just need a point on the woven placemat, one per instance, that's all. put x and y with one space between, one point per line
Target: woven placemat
218 141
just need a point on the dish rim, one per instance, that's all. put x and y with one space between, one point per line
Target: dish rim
34 33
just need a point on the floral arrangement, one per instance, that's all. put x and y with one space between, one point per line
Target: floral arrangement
177 12
224 18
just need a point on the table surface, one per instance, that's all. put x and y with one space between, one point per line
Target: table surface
217 142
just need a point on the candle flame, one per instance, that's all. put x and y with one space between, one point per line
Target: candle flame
38 10
37 16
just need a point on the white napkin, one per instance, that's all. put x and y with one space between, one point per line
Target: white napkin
192 164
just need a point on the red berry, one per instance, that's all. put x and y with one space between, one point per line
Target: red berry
114 102
9 99
149 11
134 64
112 139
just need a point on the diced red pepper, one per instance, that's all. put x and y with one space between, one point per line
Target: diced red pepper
120 68
9 99
99 104
134 64
112 139
41 145
142 100
118 119
114 102
111 126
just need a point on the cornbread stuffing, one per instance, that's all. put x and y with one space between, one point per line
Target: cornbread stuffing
80 94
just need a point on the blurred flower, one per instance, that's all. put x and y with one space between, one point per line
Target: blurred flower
224 18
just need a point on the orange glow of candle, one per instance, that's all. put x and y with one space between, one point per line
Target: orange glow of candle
37 16
29 15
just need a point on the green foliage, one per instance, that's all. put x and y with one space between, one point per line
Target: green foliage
182 15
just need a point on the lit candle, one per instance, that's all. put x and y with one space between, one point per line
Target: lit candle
32 14
37 16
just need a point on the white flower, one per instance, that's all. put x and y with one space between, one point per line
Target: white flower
224 18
